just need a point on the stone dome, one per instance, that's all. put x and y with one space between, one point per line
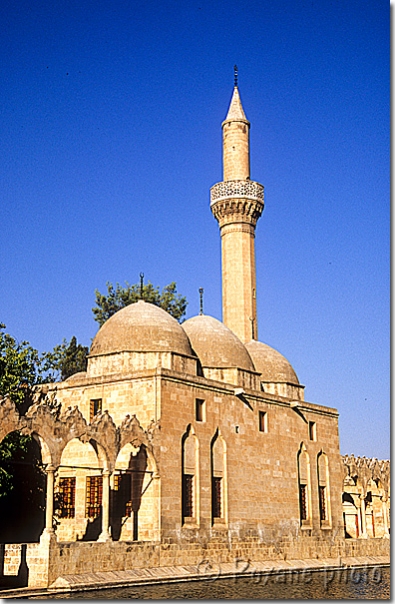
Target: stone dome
273 366
216 345
141 327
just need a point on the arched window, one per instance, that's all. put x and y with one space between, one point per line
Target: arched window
218 480
304 488
323 490
190 479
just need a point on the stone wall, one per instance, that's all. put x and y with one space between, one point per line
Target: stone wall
49 560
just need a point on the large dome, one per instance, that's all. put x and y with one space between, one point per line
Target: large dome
141 327
273 366
216 345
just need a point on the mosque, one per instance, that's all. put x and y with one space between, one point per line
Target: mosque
189 441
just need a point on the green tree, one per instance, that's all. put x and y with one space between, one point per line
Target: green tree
20 367
64 360
118 297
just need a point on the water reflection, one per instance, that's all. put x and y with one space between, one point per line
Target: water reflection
350 584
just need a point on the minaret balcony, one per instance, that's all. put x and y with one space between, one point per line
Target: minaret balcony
237 201
230 189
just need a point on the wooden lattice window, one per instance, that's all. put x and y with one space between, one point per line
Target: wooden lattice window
187 495
216 494
95 407
303 501
66 494
94 496
322 492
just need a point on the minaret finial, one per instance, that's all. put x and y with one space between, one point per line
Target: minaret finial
141 285
236 74
201 290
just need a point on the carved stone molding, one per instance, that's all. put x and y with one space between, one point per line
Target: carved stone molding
104 432
130 431
10 419
363 469
57 430
231 210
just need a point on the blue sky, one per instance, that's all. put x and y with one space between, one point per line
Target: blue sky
110 138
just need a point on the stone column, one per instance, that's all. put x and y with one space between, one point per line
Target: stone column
105 534
49 531
364 534
385 518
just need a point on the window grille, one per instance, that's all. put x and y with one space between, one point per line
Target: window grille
67 497
303 501
322 502
187 495
216 497
94 495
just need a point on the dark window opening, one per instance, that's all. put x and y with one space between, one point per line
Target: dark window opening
216 493
312 431
95 407
303 501
187 495
94 496
322 491
262 421
67 497
200 410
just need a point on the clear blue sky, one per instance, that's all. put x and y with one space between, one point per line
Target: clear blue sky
110 138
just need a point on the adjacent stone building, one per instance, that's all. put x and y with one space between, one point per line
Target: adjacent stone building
192 440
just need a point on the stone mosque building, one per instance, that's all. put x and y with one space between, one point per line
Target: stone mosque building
193 440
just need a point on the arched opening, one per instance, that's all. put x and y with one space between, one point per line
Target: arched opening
22 489
79 492
351 517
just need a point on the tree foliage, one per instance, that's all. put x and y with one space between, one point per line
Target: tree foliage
20 367
118 297
64 360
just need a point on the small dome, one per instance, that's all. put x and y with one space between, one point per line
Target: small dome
216 345
141 327
273 366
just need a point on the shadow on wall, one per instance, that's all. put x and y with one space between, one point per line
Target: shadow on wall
93 529
126 499
13 581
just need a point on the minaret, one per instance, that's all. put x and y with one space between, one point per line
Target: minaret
237 203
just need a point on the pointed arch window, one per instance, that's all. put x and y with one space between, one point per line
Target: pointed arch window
304 486
190 478
323 490
218 480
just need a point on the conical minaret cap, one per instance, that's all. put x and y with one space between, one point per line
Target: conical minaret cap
236 111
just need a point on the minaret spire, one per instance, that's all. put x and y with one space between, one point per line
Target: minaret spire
237 203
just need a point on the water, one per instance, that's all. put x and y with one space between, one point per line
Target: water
349 584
